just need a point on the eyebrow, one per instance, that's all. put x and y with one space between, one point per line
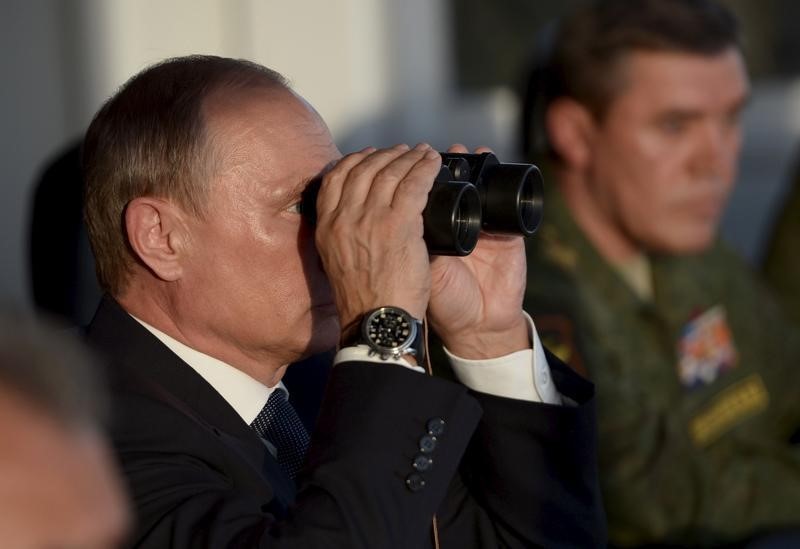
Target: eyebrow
680 113
689 114
305 182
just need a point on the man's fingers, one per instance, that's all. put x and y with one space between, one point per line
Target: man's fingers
411 195
461 149
393 175
359 181
369 179
457 148
330 193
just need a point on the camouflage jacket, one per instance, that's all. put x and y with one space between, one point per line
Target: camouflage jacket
782 264
698 391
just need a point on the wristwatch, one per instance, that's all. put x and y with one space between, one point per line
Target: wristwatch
391 332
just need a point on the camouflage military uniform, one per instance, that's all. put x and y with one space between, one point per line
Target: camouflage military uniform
782 266
698 390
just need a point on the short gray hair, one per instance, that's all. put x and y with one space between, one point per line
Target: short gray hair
149 139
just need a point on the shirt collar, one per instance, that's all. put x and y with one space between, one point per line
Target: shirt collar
638 274
247 396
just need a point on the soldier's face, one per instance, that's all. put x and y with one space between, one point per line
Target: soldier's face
663 158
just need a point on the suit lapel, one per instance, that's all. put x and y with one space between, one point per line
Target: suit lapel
141 363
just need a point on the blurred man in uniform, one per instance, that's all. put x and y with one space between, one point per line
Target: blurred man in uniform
696 369
782 264
59 485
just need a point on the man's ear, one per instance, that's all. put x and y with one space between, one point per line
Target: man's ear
571 129
157 233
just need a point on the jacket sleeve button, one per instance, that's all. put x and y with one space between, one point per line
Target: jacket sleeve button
435 426
427 444
422 462
415 482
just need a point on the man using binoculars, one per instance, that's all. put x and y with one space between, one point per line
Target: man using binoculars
216 284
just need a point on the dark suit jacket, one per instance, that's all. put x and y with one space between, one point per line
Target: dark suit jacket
518 474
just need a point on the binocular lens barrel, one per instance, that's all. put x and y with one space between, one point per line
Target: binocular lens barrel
472 193
512 198
531 201
452 217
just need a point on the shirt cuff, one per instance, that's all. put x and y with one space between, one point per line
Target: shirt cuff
361 353
522 375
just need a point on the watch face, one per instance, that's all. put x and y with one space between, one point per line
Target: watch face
390 329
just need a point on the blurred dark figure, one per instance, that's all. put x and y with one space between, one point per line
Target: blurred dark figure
637 108
59 486
782 263
61 263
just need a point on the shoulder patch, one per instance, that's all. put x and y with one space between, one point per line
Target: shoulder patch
705 349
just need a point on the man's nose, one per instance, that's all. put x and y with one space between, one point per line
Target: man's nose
716 150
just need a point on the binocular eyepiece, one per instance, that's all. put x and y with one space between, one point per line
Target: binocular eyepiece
472 193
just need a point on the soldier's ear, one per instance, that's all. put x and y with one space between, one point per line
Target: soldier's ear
570 127
157 234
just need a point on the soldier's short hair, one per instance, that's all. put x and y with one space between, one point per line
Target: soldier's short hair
581 56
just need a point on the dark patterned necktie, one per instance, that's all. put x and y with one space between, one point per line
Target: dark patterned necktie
279 423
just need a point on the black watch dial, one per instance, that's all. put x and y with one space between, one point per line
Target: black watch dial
390 330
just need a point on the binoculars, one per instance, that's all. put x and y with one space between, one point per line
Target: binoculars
472 193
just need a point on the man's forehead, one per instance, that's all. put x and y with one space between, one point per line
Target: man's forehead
253 108
666 77
268 129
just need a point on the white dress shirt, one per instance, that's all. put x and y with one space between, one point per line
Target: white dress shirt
245 395
523 375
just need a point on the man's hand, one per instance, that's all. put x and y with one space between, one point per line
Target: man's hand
476 301
369 230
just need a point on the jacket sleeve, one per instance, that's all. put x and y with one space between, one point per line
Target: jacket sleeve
353 492
531 473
